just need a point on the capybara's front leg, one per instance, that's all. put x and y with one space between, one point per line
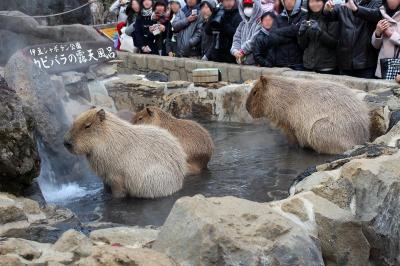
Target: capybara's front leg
118 191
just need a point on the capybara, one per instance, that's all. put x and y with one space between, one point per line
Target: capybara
195 139
134 160
324 116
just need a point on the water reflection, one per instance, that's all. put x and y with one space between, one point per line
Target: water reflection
251 161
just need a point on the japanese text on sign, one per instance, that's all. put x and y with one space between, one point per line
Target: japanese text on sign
67 56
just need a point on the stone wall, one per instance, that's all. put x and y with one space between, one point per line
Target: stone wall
181 69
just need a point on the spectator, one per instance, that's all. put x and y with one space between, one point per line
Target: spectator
386 36
355 54
188 26
119 8
264 52
142 37
289 54
171 42
267 5
132 12
387 33
207 8
243 40
160 24
318 38
223 26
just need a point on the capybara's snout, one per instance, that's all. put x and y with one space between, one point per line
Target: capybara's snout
68 142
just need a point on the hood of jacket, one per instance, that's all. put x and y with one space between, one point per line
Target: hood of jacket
296 8
257 12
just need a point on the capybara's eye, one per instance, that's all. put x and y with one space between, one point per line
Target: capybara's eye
88 125
140 118
254 92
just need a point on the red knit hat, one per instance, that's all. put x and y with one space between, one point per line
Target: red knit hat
248 2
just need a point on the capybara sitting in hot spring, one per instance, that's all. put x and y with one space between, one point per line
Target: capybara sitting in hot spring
195 139
324 116
134 160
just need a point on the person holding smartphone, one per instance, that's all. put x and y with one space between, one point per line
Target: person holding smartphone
188 25
318 38
119 7
355 54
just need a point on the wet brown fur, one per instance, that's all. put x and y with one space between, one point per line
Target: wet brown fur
324 116
195 139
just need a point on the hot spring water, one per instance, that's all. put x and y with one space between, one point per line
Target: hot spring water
251 161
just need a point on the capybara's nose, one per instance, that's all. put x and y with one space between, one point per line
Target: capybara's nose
67 144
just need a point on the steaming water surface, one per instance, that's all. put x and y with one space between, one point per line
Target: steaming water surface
251 161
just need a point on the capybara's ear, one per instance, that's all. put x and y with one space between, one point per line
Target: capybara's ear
101 114
150 112
264 80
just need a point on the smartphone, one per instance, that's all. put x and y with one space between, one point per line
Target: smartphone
339 2
194 12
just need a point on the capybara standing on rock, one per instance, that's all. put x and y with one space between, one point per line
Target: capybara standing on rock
134 160
195 139
324 116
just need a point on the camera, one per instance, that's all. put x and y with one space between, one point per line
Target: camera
216 20
308 23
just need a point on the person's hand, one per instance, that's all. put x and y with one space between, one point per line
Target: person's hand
238 54
161 27
398 78
315 26
381 27
351 5
329 5
122 2
388 32
303 27
191 18
171 54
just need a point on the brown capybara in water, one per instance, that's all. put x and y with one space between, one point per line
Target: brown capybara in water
195 139
324 116
134 160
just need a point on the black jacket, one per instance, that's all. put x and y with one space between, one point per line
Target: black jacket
354 50
289 54
142 35
265 45
319 43
229 22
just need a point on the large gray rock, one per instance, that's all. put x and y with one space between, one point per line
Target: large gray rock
115 256
18 31
360 185
19 159
232 231
126 236
340 234
42 103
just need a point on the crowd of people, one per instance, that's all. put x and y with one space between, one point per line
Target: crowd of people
334 36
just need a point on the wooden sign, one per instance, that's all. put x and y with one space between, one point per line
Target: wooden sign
61 57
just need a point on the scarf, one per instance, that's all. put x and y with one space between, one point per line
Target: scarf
146 12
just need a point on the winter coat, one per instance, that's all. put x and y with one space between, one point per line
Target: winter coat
116 8
287 25
319 45
171 38
386 45
142 35
188 34
246 32
207 41
354 50
265 45
229 23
